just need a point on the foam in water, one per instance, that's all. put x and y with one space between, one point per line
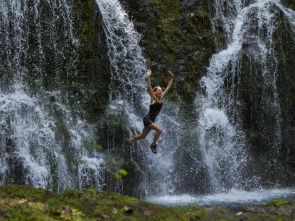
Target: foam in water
233 199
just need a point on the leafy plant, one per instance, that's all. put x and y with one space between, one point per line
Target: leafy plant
93 144
121 172
203 14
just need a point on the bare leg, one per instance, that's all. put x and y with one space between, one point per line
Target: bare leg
158 130
143 134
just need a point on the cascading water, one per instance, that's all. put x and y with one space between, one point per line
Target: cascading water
41 141
41 136
220 160
221 142
131 100
251 29
235 172
251 51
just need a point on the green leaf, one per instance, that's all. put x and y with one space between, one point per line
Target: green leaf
123 172
117 176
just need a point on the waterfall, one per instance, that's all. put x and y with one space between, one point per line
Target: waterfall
130 100
42 143
250 33
212 153
44 136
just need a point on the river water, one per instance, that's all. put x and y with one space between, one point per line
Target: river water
234 200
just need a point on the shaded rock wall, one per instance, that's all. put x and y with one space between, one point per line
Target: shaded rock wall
289 3
177 36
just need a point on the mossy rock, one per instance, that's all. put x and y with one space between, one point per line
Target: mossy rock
29 203
277 202
74 64
176 37
120 168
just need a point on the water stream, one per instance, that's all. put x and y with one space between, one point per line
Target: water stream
233 200
41 141
221 139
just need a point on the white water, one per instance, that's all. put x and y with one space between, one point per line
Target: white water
41 152
221 144
221 141
131 100
234 200
217 136
33 150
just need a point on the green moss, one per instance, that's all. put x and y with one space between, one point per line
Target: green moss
91 77
263 217
72 193
188 92
28 203
75 205
16 191
177 39
192 209
277 202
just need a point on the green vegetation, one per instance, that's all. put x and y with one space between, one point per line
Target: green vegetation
277 202
28 203
93 144
175 39
91 78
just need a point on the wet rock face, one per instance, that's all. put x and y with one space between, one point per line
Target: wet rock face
189 4
289 3
176 35
256 93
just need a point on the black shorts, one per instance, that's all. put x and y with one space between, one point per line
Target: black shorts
147 120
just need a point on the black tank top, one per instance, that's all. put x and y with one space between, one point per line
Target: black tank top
155 110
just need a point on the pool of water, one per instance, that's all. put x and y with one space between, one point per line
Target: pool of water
234 200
